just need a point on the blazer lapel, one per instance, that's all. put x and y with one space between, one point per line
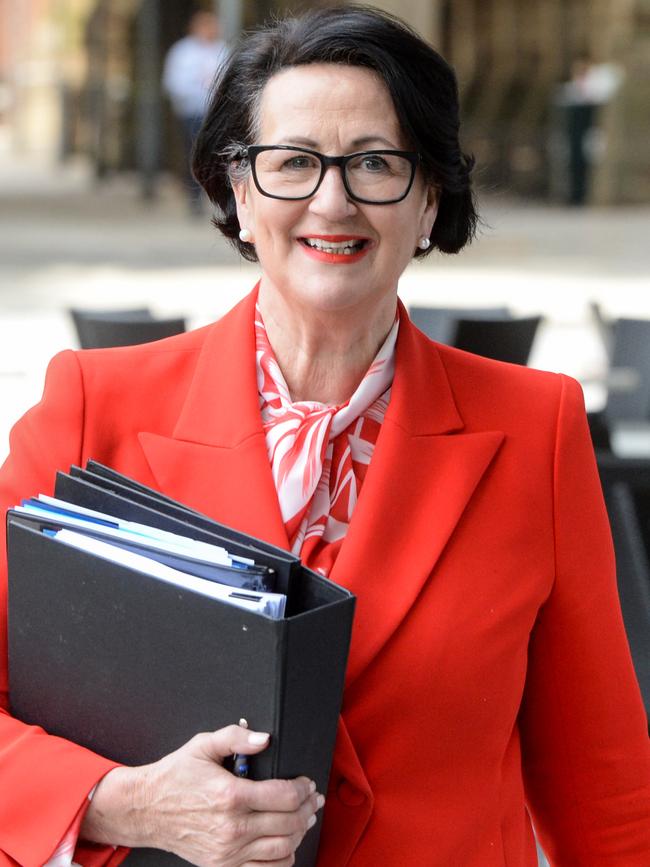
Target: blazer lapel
423 473
216 459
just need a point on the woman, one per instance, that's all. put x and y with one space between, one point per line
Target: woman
489 675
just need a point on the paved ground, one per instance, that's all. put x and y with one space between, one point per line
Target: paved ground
66 240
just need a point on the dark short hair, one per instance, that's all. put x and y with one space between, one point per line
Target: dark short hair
421 83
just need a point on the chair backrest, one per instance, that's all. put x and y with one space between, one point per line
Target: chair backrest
628 395
439 323
502 339
86 333
601 437
103 331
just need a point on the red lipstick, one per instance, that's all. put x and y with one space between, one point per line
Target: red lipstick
338 258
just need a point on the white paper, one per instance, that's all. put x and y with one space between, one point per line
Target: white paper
270 604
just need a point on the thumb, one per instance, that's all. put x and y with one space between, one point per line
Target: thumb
232 739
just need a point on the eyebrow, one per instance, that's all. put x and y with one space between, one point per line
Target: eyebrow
356 143
368 139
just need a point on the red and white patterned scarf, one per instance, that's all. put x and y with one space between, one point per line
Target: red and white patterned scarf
319 453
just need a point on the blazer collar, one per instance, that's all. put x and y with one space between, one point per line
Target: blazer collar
216 460
222 405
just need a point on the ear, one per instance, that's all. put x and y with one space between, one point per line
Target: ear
430 211
242 195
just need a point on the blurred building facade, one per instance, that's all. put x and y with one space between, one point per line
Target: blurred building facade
83 76
511 56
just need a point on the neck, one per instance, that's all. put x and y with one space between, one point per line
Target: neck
323 354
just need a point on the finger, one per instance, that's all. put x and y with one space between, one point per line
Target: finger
275 824
231 739
282 796
272 849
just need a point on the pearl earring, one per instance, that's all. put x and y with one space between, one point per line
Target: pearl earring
424 243
245 235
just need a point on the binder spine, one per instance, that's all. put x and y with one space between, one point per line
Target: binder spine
281 655
314 653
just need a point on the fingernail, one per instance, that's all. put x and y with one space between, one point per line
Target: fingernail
320 800
312 787
311 822
257 738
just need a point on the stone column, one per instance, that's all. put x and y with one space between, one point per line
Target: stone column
148 101
623 173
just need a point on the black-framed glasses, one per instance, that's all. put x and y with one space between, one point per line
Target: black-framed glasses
380 177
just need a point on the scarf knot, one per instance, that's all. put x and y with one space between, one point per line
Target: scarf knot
319 453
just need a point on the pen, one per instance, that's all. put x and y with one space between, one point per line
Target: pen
240 761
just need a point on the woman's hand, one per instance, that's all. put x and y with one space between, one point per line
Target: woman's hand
187 803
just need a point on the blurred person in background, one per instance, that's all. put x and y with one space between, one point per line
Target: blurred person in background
590 86
190 67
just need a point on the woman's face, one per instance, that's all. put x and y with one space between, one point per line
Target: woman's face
335 110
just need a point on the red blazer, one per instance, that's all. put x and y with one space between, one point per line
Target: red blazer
489 672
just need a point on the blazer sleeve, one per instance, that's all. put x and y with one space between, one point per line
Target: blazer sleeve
585 747
44 780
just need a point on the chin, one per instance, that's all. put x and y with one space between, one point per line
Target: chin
333 296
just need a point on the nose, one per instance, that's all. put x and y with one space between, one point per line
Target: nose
331 199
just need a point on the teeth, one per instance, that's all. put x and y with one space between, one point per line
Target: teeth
345 247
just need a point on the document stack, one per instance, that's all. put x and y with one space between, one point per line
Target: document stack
135 622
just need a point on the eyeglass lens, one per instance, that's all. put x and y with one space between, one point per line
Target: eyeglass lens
294 174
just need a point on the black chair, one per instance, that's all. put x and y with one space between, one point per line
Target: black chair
97 329
626 486
599 430
502 339
439 323
84 320
628 381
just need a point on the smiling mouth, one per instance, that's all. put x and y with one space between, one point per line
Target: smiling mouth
346 247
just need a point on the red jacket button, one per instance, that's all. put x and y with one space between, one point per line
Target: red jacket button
349 794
